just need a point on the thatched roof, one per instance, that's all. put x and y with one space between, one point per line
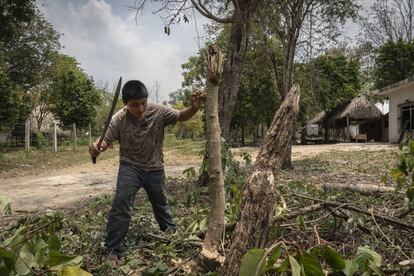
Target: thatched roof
317 119
358 109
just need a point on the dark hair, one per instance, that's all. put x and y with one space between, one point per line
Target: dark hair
133 90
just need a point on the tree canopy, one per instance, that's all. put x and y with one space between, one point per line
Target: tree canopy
74 96
394 62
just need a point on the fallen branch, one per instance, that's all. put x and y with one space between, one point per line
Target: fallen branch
365 189
192 242
354 208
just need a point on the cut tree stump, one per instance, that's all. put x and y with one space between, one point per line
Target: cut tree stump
259 195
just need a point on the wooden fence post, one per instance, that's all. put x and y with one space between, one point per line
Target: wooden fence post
27 135
90 134
55 136
75 144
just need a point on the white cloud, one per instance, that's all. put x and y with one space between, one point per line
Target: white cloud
109 45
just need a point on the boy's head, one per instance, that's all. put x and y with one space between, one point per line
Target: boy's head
134 96
133 90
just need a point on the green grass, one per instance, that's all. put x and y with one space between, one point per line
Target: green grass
19 162
191 147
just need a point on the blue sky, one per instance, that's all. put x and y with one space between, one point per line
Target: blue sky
104 36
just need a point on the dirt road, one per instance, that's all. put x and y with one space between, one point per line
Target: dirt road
73 185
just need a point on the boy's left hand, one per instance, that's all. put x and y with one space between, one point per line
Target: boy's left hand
196 99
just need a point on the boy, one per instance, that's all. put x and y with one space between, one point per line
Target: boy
139 128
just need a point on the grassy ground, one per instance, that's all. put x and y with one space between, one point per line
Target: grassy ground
83 230
19 162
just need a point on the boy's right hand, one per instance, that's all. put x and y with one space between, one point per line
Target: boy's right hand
94 151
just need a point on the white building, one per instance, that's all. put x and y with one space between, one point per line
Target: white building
401 107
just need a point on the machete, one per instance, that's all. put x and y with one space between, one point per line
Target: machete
108 120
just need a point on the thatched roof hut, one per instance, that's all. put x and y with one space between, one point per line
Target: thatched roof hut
318 119
360 108
358 111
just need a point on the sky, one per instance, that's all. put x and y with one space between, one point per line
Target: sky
109 40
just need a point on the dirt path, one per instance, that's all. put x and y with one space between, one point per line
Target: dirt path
71 186
66 187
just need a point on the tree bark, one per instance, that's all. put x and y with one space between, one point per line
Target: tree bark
259 195
233 66
217 198
230 81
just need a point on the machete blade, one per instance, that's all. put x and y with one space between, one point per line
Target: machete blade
108 119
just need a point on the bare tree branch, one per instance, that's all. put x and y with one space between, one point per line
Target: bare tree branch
204 11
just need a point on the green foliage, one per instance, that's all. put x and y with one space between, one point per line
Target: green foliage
394 62
234 180
190 173
192 128
5 203
368 261
14 14
29 55
257 100
403 173
257 262
27 44
75 97
333 259
251 261
328 80
11 98
102 110
337 79
38 139
33 250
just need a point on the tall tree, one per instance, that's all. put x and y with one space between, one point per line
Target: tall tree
75 97
239 14
389 20
28 55
27 44
394 62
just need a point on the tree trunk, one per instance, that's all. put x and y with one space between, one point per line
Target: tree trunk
233 67
289 57
259 195
242 135
230 81
217 198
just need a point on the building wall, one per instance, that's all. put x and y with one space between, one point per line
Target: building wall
399 96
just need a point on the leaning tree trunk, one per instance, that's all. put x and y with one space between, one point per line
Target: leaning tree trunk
217 198
259 196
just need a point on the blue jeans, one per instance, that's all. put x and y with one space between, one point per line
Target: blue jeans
130 180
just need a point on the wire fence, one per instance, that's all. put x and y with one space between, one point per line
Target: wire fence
51 138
